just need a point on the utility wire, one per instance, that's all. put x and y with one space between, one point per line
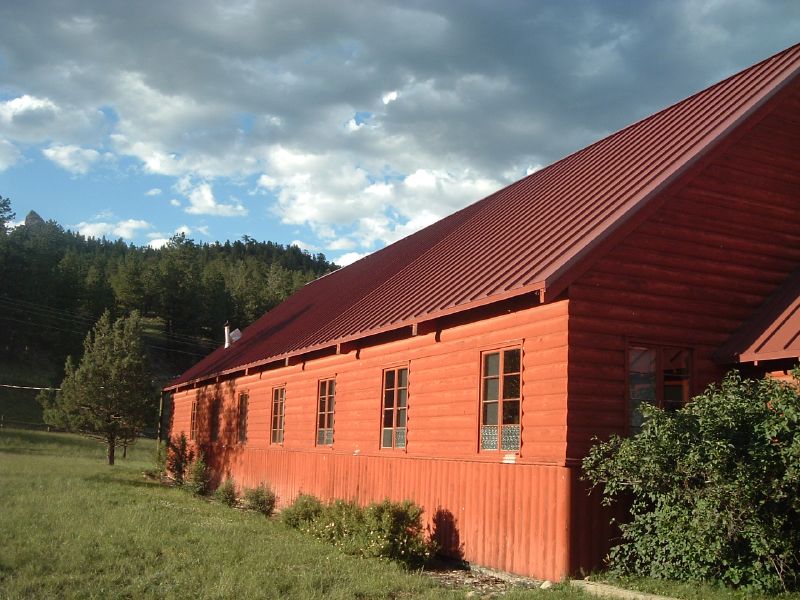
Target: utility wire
72 319
148 344
26 387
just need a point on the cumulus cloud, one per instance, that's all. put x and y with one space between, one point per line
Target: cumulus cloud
157 243
9 155
362 121
33 119
202 201
126 229
349 258
153 192
72 158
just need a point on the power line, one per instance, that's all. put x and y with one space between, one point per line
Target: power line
148 344
26 387
78 321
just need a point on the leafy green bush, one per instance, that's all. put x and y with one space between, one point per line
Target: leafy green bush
712 488
340 523
386 529
261 499
199 476
179 456
394 530
300 513
226 493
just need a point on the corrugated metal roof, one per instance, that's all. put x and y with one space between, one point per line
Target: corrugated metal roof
774 331
523 238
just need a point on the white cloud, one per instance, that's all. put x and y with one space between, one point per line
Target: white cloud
184 229
224 94
349 258
157 243
304 246
9 155
34 119
27 110
126 229
72 158
202 201
153 192
352 126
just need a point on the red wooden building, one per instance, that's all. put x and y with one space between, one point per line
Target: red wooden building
469 365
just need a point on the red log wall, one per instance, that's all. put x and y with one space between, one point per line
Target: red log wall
513 517
724 239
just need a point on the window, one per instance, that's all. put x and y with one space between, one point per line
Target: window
243 398
194 420
214 416
325 397
395 400
278 402
500 400
658 375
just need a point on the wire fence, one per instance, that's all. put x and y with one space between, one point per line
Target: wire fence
7 423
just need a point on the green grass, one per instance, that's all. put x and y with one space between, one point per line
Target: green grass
689 591
71 526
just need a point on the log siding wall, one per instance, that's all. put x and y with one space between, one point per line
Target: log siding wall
722 241
513 517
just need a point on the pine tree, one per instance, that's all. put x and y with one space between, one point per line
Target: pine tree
6 214
109 395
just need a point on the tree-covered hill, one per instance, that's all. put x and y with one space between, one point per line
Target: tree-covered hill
54 285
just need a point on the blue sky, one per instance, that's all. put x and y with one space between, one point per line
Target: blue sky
338 126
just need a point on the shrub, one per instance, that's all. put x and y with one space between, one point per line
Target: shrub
394 530
300 513
712 487
386 529
226 493
261 499
178 458
340 523
199 476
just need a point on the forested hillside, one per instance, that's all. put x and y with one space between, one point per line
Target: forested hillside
54 284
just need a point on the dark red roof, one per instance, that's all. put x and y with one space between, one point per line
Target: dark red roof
774 331
523 238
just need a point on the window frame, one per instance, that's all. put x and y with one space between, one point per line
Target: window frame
327 416
194 420
243 399
660 348
277 431
501 374
395 408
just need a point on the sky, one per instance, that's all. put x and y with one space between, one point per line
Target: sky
339 126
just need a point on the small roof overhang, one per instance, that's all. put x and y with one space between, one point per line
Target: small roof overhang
773 333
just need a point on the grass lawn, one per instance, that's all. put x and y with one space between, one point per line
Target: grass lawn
73 527
689 591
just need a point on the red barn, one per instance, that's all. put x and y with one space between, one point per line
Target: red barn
468 366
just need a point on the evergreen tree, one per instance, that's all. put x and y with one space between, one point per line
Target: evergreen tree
5 213
109 395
